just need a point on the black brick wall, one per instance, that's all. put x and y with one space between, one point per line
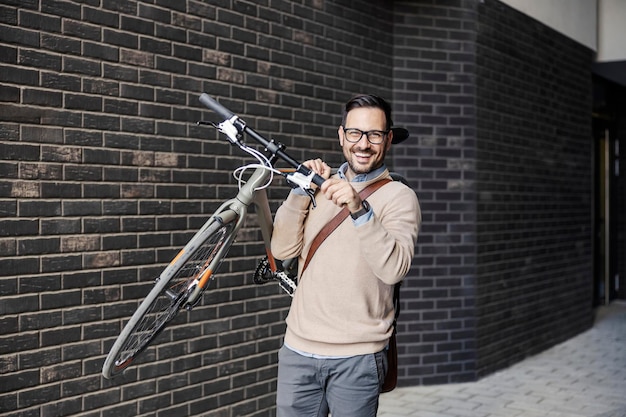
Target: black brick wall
502 108
434 95
534 187
104 176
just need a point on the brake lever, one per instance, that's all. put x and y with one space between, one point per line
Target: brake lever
303 182
311 195
227 127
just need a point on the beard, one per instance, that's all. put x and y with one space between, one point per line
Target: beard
358 168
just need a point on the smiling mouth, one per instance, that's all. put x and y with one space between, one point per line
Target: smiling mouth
361 155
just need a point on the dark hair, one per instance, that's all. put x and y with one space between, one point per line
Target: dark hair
368 100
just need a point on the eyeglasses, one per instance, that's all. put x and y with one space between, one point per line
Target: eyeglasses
375 137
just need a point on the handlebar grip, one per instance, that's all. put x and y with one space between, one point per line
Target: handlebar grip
212 104
317 180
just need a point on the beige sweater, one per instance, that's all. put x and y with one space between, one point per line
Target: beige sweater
343 304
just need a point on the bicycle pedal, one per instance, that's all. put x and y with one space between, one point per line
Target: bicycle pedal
286 283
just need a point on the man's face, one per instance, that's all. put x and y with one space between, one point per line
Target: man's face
362 156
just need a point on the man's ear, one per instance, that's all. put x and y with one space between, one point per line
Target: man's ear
340 134
389 140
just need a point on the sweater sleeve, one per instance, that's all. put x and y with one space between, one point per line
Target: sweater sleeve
387 241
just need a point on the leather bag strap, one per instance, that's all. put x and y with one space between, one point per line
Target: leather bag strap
338 219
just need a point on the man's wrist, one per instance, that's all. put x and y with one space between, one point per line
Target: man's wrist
364 210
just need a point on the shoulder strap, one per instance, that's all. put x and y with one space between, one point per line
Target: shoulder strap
338 219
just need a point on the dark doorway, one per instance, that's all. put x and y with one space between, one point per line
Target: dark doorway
608 218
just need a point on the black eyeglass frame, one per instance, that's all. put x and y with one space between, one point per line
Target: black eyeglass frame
366 133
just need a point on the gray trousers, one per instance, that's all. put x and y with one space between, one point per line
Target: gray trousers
310 387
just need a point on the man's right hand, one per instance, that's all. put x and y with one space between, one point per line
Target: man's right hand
319 167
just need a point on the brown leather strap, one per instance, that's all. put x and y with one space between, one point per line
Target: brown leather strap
338 219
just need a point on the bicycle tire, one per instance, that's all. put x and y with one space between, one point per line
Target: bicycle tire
171 293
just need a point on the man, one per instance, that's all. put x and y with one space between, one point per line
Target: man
340 321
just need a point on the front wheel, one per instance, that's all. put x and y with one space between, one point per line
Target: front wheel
187 275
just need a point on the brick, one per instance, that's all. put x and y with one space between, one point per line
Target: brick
81 30
82 66
118 72
21 75
75 387
42 172
101 225
81 208
123 107
8 93
83 243
40 60
100 51
136 125
39 208
81 350
102 260
61 44
83 138
172 33
154 78
43 22
133 24
62 81
100 17
19 36
138 92
39 395
18 266
39 283
38 246
8 325
154 14
19 380
8 15
61 263
65 407
104 122
39 320
61 118
120 6
83 102
42 97
62 8
56 337
170 65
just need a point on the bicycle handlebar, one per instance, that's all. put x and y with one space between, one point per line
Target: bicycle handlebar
226 114
212 104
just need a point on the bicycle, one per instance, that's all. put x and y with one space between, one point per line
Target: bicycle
182 283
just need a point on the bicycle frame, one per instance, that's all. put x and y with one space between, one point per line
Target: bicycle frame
235 208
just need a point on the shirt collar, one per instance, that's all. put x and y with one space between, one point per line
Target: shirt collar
361 177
